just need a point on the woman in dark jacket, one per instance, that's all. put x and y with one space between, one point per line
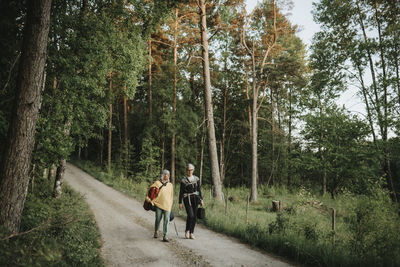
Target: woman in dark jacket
190 194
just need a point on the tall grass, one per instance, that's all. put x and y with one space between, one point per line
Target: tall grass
367 229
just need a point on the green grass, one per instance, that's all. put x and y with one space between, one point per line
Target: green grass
367 229
65 231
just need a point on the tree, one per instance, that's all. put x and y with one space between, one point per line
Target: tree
340 138
347 27
15 166
212 145
260 53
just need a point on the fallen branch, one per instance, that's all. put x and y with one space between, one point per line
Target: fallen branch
44 225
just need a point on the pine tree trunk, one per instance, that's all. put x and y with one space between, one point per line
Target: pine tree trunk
126 143
324 175
150 83
174 97
110 128
254 143
203 139
272 138
222 149
102 148
212 144
289 177
17 155
150 100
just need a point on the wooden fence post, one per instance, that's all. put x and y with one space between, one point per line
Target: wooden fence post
276 205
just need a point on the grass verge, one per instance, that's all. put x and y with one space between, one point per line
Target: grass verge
54 232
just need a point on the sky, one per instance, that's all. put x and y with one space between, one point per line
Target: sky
301 15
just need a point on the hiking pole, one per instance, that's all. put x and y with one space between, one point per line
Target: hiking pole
176 231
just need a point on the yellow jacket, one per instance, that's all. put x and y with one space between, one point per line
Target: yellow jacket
165 197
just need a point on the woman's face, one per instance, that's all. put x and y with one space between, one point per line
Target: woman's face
165 177
189 172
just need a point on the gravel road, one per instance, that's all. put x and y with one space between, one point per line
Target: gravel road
127 233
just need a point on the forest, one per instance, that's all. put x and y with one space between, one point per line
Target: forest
138 86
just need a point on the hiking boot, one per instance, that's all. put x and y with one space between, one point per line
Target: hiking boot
155 234
192 236
165 239
187 235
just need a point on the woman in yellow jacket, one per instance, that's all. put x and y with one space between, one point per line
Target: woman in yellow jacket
163 203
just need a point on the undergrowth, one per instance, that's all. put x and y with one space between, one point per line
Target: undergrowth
54 232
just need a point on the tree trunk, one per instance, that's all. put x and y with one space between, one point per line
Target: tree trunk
79 149
150 83
256 87
109 128
254 137
365 95
150 99
126 142
289 177
58 182
248 98
377 103
212 144
102 148
385 125
17 155
174 98
324 174
382 118
272 138
203 139
86 147
51 172
222 149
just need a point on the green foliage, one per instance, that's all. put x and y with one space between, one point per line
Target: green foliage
147 166
64 233
339 142
119 181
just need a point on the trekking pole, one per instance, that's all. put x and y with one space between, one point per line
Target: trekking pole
176 231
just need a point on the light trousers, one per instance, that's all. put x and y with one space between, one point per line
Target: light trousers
159 214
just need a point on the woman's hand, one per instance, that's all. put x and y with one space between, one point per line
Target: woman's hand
202 203
180 206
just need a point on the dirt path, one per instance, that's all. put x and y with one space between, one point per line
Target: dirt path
127 232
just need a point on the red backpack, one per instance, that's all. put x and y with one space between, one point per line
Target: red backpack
152 194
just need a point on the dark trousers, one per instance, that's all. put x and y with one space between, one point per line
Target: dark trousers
191 210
